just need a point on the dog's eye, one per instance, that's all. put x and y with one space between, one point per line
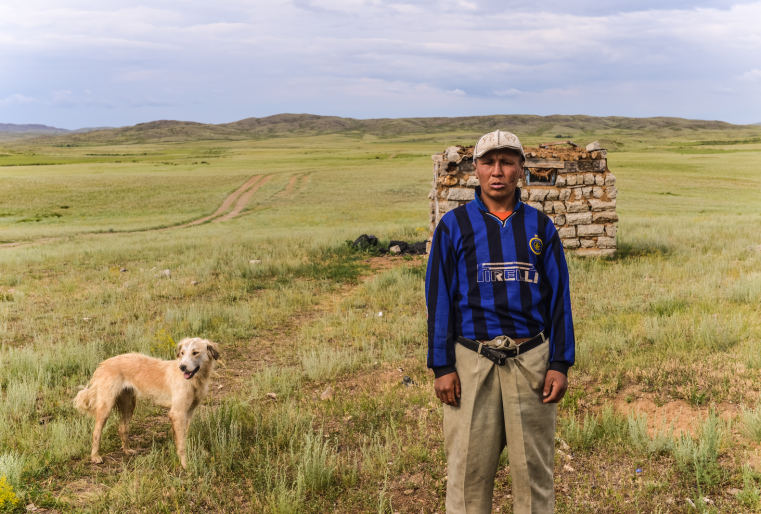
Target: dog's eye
195 353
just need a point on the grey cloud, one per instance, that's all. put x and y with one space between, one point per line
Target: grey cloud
377 58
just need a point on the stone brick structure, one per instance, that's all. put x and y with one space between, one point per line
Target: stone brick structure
572 185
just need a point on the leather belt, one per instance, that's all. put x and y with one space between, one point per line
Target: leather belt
499 357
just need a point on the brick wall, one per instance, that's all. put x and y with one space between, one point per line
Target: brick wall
572 185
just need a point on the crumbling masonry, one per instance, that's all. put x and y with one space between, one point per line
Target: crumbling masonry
572 185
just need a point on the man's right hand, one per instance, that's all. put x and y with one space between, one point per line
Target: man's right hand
447 388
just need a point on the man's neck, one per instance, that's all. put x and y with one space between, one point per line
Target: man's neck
501 205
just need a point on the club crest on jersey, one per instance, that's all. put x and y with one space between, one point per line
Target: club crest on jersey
535 244
508 272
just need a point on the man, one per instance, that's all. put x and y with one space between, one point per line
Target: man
500 335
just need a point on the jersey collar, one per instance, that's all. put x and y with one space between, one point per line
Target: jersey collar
482 207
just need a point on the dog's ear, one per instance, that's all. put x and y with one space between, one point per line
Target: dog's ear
213 350
180 345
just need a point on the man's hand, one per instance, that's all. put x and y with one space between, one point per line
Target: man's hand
555 386
448 388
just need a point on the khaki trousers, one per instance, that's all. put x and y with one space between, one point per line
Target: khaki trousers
500 405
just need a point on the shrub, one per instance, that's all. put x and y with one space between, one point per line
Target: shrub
750 496
318 463
578 435
700 456
20 397
163 345
8 497
69 438
326 363
661 442
273 379
751 421
613 427
11 467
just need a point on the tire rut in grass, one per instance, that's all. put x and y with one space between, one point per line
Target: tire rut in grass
243 200
288 192
227 203
243 195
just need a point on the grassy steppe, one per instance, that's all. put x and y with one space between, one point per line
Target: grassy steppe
669 339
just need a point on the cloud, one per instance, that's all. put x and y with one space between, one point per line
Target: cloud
752 75
17 99
376 58
508 92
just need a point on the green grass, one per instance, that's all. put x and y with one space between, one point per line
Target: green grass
674 317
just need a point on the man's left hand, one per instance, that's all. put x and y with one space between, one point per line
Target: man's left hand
555 386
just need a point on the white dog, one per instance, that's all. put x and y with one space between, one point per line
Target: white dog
180 384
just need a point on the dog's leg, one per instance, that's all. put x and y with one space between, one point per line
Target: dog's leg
180 426
189 418
102 411
125 404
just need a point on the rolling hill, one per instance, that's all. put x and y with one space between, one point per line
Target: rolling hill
282 125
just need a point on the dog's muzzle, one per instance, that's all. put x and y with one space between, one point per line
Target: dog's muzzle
190 374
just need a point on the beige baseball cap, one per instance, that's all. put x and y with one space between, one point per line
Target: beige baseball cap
497 140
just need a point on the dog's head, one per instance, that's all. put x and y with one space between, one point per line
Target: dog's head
195 353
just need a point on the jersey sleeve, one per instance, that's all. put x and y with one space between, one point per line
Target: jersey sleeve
440 286
561 336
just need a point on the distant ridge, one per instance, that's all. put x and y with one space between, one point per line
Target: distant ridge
44 129
283 125
39 129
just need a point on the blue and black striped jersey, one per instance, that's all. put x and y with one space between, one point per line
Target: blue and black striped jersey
488 278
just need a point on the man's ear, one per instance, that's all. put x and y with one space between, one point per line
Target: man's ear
213 350
180 345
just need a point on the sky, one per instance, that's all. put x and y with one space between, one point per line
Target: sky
85 63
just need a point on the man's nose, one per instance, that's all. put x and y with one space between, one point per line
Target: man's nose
182 367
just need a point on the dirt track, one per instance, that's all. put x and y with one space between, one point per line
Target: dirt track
243 200
243 194
287 193
227 203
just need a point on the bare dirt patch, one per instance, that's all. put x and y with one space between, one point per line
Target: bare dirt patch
387 262
684 417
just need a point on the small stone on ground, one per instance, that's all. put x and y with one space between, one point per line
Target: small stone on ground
327 394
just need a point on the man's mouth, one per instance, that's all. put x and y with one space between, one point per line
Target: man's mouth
497 185
190 374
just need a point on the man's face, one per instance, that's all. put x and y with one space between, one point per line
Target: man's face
498 173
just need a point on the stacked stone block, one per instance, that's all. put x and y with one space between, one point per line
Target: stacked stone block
581 202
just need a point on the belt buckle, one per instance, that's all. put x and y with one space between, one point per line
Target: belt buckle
505 339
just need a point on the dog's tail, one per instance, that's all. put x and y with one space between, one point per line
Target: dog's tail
85 400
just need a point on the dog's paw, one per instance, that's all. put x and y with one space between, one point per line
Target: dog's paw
130 452
97 459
